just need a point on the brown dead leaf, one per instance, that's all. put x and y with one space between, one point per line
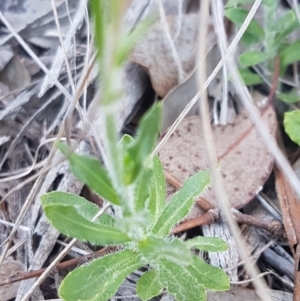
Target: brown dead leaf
245 162
6 55
9 268
154 52
15 75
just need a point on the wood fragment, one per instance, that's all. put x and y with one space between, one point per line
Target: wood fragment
290 207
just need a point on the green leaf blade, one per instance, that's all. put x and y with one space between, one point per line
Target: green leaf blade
292 97
181 203
89 170
290 54
238 16
99 280
157 200
286 25
85 208
145 139
142 191
208 244
71 220
149 285
249 77
156 249
179 282
292 125
252 58
210 277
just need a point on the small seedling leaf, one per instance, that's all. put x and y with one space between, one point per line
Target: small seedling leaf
252 58
249 77
180 282
89 170
157 200
290 54
71 220
100 279
209 244
292 125
181 203
149 285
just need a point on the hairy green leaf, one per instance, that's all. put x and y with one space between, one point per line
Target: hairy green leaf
145 139
134 225
181 203
286 25
180 282
155 249
157 200
209 244
292 125
249 77
85 208
125 142
149 285
142 189
89 170
99 280
290 54
252 58
210 277
113 153
74 220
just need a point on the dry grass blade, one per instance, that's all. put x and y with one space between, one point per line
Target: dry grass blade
212 158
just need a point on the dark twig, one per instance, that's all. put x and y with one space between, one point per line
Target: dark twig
63 265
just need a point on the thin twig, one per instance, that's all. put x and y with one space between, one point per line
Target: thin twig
60 266
212 158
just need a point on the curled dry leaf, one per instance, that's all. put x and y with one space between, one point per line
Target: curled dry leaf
245 163
154 52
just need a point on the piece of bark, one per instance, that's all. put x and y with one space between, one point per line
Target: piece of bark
226 260
290 207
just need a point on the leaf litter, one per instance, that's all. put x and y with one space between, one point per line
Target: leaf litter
244 166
